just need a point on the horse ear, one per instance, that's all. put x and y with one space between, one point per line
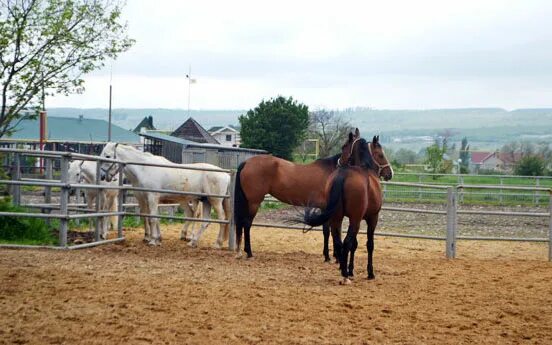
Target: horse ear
375 140
351 136
357 133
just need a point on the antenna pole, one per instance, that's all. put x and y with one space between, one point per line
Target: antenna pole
189 86
110 95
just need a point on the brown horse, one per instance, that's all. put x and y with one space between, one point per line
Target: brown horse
299 185
354 192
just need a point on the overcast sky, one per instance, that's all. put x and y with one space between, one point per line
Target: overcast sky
335 54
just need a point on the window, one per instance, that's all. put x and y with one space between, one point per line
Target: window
228 137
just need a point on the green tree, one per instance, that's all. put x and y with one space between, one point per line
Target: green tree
47 46
434 157
530 166
404 156
278 126
464 156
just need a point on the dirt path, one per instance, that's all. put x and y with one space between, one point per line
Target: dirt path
494 293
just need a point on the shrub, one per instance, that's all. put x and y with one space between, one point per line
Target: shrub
23 230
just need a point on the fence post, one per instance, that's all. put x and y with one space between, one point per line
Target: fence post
420 189
232 245
461 194
99 192
77 201
48 190
537 183
501 198
451 223
16 176
120 201
550 227
64 201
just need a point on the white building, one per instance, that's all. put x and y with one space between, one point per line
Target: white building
226 135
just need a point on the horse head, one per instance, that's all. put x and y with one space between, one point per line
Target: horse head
371 155
109 169
347 148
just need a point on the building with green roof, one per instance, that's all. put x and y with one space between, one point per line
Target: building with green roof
71 129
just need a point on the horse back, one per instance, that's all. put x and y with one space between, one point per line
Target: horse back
296 184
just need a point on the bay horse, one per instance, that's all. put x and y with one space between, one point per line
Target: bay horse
354 191
294 184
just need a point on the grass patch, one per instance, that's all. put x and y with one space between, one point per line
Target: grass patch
17 230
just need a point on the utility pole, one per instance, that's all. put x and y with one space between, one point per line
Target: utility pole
190 82
110 94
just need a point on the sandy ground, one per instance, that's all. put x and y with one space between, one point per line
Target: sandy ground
494 293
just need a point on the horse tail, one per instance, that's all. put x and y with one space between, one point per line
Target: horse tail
313 218
241 205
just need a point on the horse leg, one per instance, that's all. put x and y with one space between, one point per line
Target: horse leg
206 215
143 206
352 259
336 239
217 205
347 246
113 202
326 250
152 202
104 221
188 213
371 222
91 202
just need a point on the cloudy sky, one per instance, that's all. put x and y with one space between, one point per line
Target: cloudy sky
335 54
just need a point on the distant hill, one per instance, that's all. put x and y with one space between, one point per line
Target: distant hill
485 127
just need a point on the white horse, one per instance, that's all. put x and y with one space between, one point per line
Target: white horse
85 171
195 181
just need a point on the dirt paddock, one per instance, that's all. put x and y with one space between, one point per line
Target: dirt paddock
494 293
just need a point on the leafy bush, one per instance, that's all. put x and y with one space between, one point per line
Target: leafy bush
530 166
23 230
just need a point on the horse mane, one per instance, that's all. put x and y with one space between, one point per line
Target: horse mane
329 161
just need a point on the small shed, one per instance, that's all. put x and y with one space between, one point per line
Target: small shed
179 150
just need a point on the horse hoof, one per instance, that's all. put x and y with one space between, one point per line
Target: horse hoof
345 281
217 246
371 277
153 243
327 260
351 276
192 244
239 256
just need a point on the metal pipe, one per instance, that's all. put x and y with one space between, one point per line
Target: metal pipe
120 198
451 224
190 219
94 244
64 201
95 215
500 213
413 210
232 245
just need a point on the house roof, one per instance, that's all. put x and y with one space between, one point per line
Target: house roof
480 157
147 123
217 129
187 143
193 131
73 129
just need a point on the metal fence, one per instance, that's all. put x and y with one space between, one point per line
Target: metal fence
66 213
